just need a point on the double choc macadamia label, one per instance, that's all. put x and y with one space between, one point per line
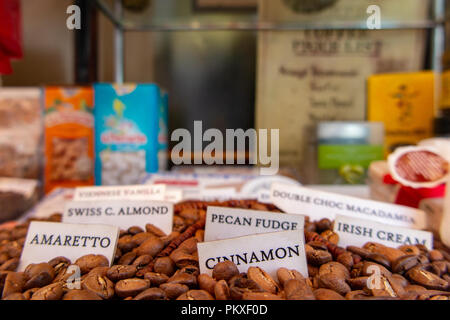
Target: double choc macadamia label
47 240
123 214
225 223
357 232
139 192
269 251
318 204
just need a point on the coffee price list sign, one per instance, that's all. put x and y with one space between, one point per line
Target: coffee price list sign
47 240
269 251
138 192
123 214
225 223
357 232
318 204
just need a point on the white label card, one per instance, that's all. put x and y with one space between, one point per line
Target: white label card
123 214
225 223
357 232
318 204
269 251
47 240
139 192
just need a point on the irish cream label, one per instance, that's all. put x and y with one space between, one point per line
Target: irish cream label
225 223
318 204
123 214
138 192
269 251
47 240
357 232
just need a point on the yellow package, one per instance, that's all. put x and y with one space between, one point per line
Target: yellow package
404 102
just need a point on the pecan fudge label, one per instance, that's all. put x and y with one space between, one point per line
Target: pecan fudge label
269 251
318 204
357 232
47 240
138 192
123 214
225 223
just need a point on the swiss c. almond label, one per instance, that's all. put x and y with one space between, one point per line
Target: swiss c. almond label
138 192
357 232
225 223
318 204
269 251
123 214
47 240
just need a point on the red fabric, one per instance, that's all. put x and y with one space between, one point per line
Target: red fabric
10 34
411 197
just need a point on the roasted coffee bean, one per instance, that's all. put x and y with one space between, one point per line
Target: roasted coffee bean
358 283
330 236
194 270
14 283
263 280
356 295
380 259
150 228
285 275
327 294
317 245
29 293
38 275
150 247
369 268
435 255
225 271
135 230
59 262
405 263
391 254
100 285
200 235
126 243
15 296
317 257
195 295
363 253
91 261
140 238
142 261
336 269
221 290
156 279
99 271
240 284
131 287
174 290
323 225
179 224
184 278
10 265
334 282
298 290
164 265
313 270
260 296
151 294
207 283
415 289
426 279
53 291
185 254
346 259
410 250
81 295
127 258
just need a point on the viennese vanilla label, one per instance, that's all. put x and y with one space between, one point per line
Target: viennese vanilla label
123 214
357 232
225 223
318 204
137 192
269 251
47 240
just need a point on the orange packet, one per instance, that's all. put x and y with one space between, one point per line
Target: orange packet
69 137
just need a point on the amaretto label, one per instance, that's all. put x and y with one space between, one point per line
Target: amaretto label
225 223
138 192
269 251
47 240
357 232
318 204
123 214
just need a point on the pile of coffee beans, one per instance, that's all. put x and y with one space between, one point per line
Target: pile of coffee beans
150 265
